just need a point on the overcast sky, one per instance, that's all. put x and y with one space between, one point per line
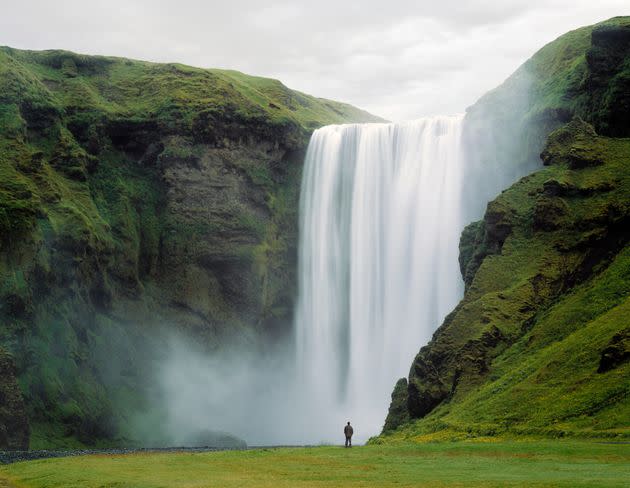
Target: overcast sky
398 59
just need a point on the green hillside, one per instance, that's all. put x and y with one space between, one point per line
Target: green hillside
540 343
137 197
140 198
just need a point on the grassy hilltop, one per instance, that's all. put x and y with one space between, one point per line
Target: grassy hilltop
136 196
540 343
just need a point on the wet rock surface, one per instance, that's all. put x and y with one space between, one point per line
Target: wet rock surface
14 428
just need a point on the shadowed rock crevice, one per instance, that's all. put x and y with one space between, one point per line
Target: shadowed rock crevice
616 353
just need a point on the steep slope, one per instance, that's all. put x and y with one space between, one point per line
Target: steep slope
539 344
585 72
137 197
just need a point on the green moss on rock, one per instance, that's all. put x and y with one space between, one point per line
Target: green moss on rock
14 427
398 414
133 195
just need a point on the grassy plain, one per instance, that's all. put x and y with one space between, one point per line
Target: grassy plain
472 463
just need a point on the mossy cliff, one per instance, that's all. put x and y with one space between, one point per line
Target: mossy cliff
540 345
14 428
583 73
136 197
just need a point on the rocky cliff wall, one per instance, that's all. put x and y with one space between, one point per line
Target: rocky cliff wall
139 199
14 428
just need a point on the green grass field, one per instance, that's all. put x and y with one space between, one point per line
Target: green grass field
492 463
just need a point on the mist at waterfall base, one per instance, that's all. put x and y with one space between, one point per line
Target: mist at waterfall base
382 208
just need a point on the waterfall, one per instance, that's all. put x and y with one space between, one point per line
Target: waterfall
381 211
380 218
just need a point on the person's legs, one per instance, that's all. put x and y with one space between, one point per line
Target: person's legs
347 440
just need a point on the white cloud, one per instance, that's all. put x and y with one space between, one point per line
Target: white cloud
398 59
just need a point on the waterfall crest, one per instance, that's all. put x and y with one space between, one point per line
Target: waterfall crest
380 218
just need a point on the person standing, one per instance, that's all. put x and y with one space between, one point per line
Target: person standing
348 431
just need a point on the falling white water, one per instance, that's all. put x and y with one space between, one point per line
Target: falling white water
382 208
380 219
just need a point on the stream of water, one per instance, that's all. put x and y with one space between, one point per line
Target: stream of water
380 218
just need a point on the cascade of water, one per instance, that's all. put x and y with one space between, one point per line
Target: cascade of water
380 219
382 208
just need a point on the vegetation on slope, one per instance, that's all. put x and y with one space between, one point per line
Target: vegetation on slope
135 196
584 73
539 344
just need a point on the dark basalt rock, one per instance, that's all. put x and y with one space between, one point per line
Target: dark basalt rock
498 225
14 427
616 352
555 188
548 213
426 389
578 158
609 79
469 257
132 135
483 238
476 355
397 414
572 145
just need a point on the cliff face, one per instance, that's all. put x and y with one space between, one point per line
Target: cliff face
538 345
583 73
136 197
14 428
